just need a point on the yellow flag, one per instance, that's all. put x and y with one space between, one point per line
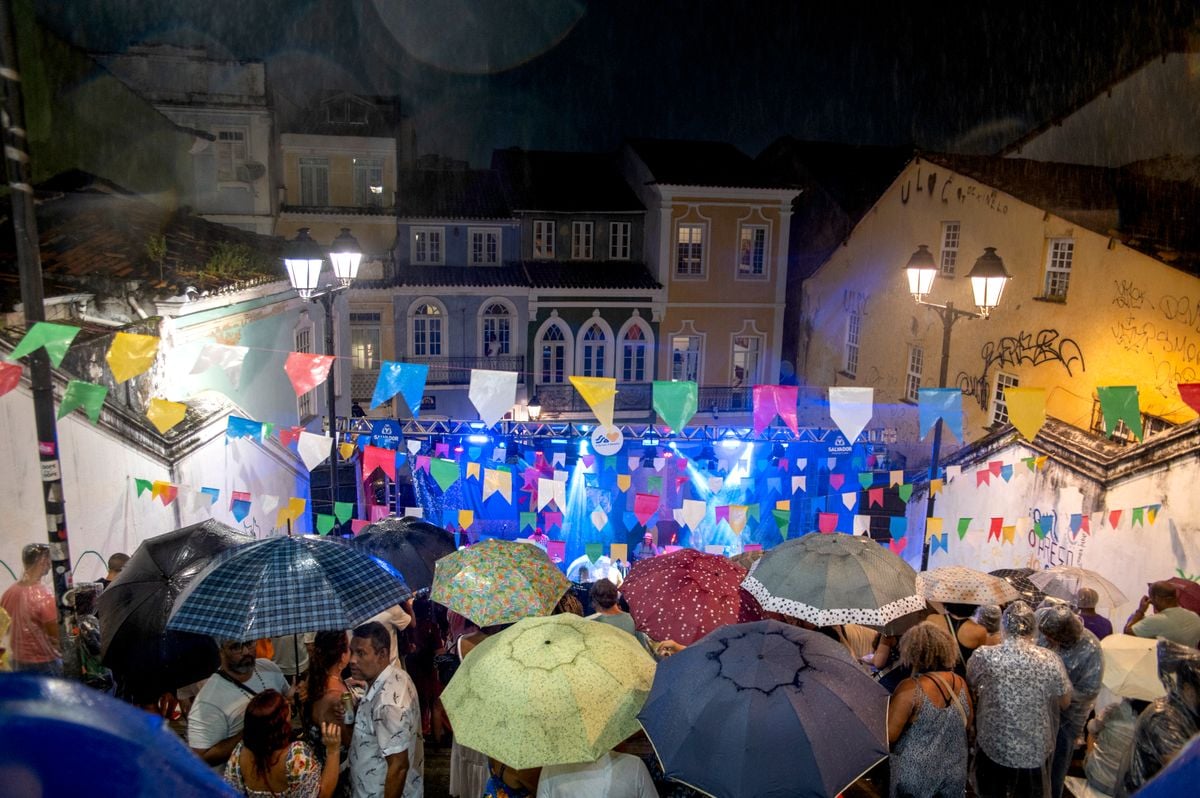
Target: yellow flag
346 450
473 470
1040 463
933 527
466 518
895 478
600 394
293 510
737 518
131 354
1009 533
1026 410
497 481
785 504
935 486
164 415
619 551
624 481
158 487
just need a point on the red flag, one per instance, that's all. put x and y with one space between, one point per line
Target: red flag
983 477
1114 518
875 497
1085 523
1190 393
10 377
644 506
994 530
827 523
996 466
897 545
378 457
289 435
307 371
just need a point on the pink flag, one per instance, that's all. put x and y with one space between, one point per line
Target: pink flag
983 477
721 513
897 545
422 463
552 520
556 550
752 547
441 450
836 480
996 466
827 523
772 400
644 506
358 524
307 371
378 457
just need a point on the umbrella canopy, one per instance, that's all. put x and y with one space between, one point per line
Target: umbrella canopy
286 585
1019 578
549 691
956 584
832 579
1065 581
1177 778
747 558
1189 593
1131 667
133 610
410 545
61 737
684 595
768 710
600 568
498 581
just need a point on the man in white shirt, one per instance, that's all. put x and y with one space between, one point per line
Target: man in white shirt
219 711
611 776
387 754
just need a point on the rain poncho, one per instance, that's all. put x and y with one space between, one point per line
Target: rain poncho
1083 660
1167 724
1114 737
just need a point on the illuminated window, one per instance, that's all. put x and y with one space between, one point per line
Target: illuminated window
747 350
689 250
593 347
1058 267
685 357
553 354
496 331
427 331
368 182
633 355
364 341
752 250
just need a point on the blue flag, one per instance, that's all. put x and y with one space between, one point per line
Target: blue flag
406 379
239 427
898 526
241 509
943 403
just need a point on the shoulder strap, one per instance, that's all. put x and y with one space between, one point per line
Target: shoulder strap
953 696
236 683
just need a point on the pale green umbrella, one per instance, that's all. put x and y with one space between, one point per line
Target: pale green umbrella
549 691
498 581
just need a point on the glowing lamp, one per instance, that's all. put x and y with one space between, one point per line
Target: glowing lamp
921 270
346 255
303 258
988 278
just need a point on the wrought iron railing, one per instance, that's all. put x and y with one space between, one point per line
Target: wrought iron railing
442 371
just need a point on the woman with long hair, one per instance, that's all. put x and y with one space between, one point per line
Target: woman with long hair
323 703
266 763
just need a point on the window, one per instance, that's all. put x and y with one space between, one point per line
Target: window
950 232
1058 267
368 182
689 253
427 331
633 355
618 240
306 403
594 342
543 239
485 247
685 357
554 355
999 404
912 382
746 352
427 245
496 331
853 331
314 181
364 340
581 240
752 251
231 153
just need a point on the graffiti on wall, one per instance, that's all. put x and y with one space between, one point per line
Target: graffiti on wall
1024 348
945 189
1165 330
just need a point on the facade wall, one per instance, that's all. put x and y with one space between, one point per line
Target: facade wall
456 240
1126 319
601 228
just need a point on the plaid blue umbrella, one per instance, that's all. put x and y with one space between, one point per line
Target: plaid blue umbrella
286 585
765 709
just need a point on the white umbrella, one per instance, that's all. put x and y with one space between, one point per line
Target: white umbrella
956 584
602 568
1131 667
1065 581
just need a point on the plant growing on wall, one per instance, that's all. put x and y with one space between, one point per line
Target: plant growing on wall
156 251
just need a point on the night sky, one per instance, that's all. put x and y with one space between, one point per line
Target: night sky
561 74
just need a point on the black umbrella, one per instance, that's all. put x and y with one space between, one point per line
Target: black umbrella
409 545
133 610
1019 578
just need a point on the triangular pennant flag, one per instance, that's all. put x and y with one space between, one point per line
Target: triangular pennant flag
496 481
983 477
552 520
238 427
904 492
599 519
493 393
1189 392
86 395
358 525
342 511
10 377
694 511
1026 410
346 450
1009 534
1114 519
943 403
441 450
866 479
325 523
164 415
721 513
827 523
56 338
862 525
953 472
414 446
850 409
593 551
799 484
377 457
1030 462
849 500
307 371
406 379
644 506
551 490
444 472
1041 461
228 359
935 486
782 519
1006 472
995 529
212 493
623 482
675 402
1152 512
1038 529
875 497
466 518
963 525
752 511
635 463
1076 521
268 504
737 518
142 486
618 552
836 481
933 528
654 485
897 546
772 400
240 509
895 478
1120 403
289 513
774 485
600 394
130 354
289 435
897 526
589 460
422 463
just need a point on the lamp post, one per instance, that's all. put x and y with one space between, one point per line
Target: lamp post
304 259
988 278
534 408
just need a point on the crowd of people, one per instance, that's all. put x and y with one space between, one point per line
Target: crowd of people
998 701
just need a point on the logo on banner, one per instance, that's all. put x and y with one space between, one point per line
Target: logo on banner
607 440
839 446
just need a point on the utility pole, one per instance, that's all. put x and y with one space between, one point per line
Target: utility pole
29 265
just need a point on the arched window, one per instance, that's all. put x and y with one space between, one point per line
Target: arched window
553 354
427 330
633 355
594 342
496 331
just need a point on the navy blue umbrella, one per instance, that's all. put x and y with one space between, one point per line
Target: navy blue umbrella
1179 777
62 738
767 710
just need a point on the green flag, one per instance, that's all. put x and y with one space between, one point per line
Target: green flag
594 550
654 485
83 394
866 479
963 523
675 402
1120 403
444 472
528 521
905 491
752 511
1137 518
143 485
325 523
782 519
342 511
56 338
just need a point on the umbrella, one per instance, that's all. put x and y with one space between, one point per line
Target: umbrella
1065 581
410 545
549 691
684 595
1189 593
60 737
1177 778
498 581
1131 667
133 610
955 584
832 579
286 585
768 710
1019 578
601 568
747 558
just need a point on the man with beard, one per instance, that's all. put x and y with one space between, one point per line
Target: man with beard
215 721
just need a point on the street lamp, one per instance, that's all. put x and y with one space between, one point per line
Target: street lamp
303 259
534 408
988 278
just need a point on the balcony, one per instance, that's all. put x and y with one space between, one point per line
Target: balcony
637 397
442 371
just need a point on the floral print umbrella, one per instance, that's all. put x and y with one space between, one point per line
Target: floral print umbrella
549 691
956 584
498 581
684 595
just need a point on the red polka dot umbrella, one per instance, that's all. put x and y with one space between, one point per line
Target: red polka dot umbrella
684 595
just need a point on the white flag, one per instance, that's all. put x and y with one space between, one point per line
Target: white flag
851 409
227 358
493 393
314 449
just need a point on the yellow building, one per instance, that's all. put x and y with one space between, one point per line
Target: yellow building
1098 297
717 238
